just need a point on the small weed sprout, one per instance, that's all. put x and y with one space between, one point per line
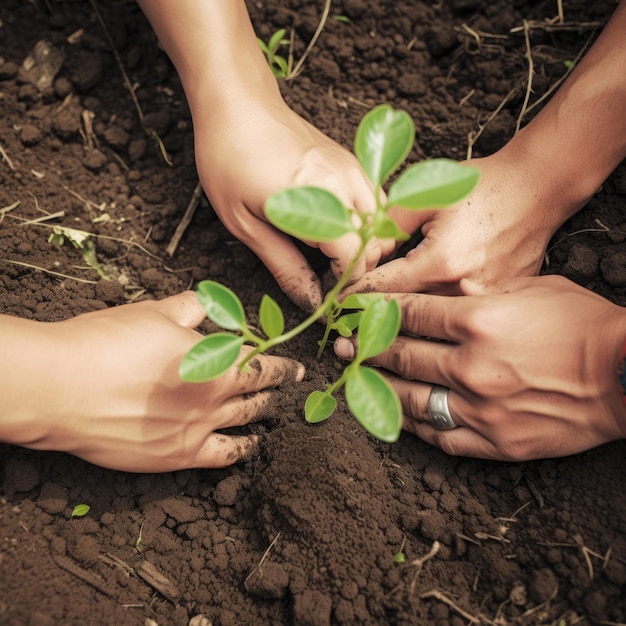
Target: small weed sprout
80 510
286 68
383 141
81 241
278 64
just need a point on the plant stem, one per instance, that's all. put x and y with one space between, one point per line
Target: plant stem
329 300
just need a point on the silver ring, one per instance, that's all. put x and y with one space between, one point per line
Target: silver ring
438 410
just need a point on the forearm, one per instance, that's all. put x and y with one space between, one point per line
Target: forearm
214 49
579 137
28 371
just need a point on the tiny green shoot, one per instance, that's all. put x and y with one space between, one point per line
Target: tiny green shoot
285 67
81 241
278 64
398 557
383 141
80 510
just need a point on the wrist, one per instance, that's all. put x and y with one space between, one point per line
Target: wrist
621 373
27 370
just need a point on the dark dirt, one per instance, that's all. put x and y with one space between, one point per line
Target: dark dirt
307 532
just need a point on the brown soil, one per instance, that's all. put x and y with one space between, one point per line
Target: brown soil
307 532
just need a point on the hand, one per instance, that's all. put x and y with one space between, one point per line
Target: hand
113 396
532 372
248 153
501 231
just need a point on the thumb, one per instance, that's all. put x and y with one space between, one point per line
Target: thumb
221 450
183 309
288 265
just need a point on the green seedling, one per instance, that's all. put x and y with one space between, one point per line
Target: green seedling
383 141
285 67
278 64
80 510
81 241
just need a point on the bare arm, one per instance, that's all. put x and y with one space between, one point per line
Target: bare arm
249 144
540 178
104 386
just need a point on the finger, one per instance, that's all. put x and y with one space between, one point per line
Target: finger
183 309
341 253
457 442
263 372
244 410
221 450
285 262
418 272
414 396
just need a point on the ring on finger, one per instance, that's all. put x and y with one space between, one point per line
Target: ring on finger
438 410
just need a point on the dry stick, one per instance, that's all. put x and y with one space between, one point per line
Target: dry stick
127 82
559 8
320 27
455 607
602 229
43 269
559 82
419 564
473 136
6 209
553 25
258 567
185 221
43 218
5 157
531 73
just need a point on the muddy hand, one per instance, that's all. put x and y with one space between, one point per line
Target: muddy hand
531 373
111 393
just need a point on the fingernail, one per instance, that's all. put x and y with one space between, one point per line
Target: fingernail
344 348
300 373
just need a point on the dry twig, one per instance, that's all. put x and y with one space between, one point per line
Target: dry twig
185 221
260 563
455 607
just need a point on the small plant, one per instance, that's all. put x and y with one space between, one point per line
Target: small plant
81 241
278 64
383 140
80 510
285 67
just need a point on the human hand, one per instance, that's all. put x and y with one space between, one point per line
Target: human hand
247 153
500 231
113 395
532 372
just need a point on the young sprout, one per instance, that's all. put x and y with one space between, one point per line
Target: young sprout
278 64
80 510
383 141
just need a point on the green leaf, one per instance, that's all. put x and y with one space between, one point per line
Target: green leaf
309 213
383 140
263 46
280 67
374 403
318 407
347 323
276 40
222 306
378 328
432 184
271 317
80 510
210 358
360 300
386 228
399 558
